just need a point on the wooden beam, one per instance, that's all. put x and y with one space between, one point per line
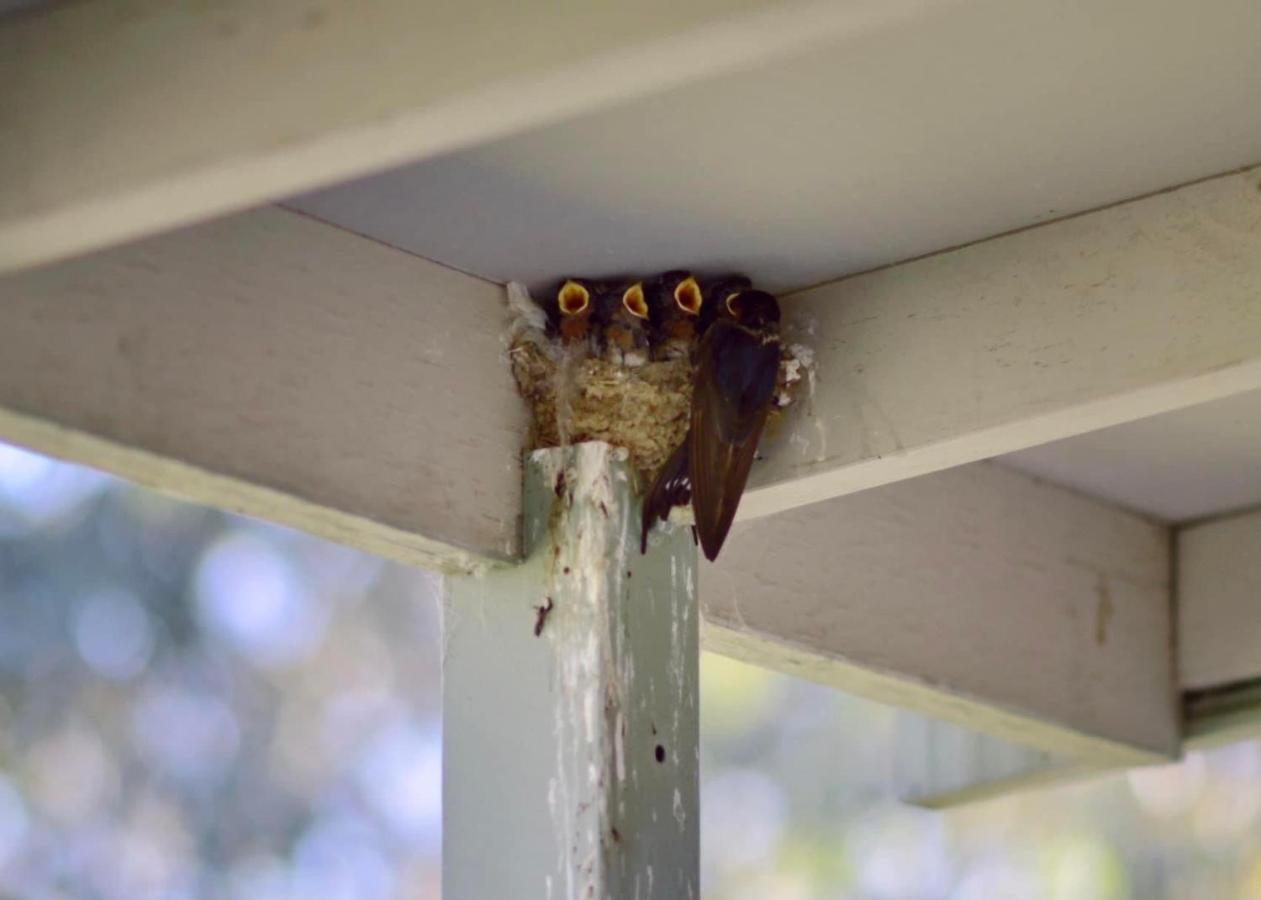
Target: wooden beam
1219 627
1223 715
276 366
571 724
1219 666
1130 311
1219 602
123 121
922 366
279 367
978 595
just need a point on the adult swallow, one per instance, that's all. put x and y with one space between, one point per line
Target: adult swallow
674 301
737 364
623 322
570 312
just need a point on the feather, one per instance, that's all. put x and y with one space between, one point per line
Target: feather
736 374
672 487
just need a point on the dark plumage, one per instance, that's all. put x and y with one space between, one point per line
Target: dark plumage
570 311
737 364
672 487
623 323
674 301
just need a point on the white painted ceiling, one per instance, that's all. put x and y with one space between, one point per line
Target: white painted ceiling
973 119
1177 467
981 117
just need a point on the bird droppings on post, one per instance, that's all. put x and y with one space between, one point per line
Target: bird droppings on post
605 668
591 666
614 361
541 613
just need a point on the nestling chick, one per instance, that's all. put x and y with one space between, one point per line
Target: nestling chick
622 315
674 299
570 313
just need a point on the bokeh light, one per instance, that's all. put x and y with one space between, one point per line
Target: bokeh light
40 493
340 858
14 821
400 772
742 820
113 634
252 598
183 734
195 705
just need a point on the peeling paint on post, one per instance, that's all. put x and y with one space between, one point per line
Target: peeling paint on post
570 691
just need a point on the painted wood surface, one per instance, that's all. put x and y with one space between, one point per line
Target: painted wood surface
276 366
273 365
977 595
123 119
1219 602
1026 338
1222 715
571 725
1057 330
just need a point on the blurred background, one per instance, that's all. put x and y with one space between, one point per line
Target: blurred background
196 705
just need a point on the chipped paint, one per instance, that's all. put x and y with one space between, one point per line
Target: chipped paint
617 665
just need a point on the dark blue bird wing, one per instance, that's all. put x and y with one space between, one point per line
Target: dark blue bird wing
672 487
736 373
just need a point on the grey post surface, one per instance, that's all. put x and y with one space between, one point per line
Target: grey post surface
570 757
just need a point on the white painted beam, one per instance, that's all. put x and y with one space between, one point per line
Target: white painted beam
1219 602
978 595
1028 337
123 121
1222 715
571 726
1130 311
1219 629
276 366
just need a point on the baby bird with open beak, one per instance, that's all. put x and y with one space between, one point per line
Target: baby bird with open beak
571 313
674 301
623 323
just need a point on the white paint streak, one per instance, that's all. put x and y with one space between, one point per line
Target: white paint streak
618 661
619 746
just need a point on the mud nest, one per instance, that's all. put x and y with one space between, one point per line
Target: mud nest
574 396
644 409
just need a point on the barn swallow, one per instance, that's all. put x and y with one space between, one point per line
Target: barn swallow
570 312
737 365
622 314
674 300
